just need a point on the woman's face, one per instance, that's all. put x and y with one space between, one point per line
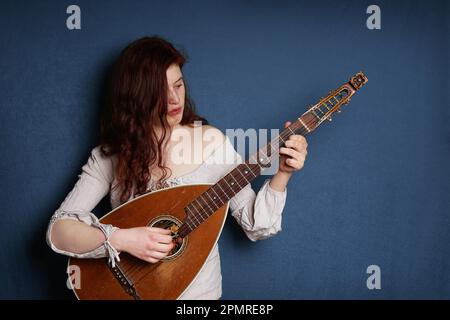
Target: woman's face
175 95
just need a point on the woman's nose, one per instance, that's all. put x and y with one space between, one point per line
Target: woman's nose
173 97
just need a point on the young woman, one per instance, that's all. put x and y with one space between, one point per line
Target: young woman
147 107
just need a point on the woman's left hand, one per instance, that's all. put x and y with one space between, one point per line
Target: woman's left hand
293 154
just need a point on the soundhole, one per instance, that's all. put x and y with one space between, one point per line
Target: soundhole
173 224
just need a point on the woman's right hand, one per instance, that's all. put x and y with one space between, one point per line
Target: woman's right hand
146 243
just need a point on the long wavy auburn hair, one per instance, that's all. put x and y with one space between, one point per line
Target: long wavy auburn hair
136 102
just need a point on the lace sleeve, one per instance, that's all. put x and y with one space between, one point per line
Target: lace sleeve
92 185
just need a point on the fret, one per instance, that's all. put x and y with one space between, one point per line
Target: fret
255 160
187 222
195 209
218 184
286 133
255 169
227 186
192 224
242 175
194 216
276 150
291 130
199 211
214 199
225 179
264 159
213 205
232 183
269 150
300 128
195 221
207 193
249 170
244 170
231 173
304 125
207 205
264 155
212 188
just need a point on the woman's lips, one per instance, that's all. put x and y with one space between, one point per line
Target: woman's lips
174 112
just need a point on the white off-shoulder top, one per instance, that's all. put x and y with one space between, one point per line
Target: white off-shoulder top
259 215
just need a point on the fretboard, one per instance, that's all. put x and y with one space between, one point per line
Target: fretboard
226 188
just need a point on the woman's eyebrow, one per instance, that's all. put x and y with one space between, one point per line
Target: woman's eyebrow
179 79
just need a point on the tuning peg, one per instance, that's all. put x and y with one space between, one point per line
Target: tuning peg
329 119
339 111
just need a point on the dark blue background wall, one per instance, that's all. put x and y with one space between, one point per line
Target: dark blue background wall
375 188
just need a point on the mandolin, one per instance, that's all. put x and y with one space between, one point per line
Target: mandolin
195 214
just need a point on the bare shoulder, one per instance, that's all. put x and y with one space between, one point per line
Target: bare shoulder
212 138
206 139
212 134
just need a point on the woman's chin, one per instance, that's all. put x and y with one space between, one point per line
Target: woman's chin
174 121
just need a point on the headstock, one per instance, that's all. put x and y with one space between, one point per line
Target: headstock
332 103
